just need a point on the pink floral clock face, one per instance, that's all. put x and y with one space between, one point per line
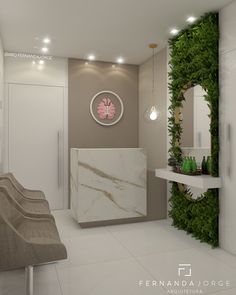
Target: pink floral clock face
106 108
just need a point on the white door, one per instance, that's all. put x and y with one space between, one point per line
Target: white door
36 139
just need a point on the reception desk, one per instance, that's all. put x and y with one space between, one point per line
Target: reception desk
108 184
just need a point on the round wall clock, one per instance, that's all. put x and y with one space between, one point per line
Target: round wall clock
106 108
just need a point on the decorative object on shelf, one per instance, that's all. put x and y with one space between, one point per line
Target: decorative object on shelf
106 108
188 167
192 65
152 112
172 163
209 165
204 165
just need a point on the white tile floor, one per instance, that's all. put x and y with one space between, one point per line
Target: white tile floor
114 260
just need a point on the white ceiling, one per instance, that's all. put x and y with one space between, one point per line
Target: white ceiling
107 28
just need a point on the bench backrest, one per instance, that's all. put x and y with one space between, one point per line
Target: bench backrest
12 178
13 192
9 214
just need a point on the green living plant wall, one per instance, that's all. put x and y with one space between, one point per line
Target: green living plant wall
194 61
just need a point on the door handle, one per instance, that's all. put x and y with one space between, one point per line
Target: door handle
228 142
59 158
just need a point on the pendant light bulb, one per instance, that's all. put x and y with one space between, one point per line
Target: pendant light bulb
153 114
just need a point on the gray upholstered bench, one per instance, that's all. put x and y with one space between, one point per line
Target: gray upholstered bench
27 204
28 193
26 239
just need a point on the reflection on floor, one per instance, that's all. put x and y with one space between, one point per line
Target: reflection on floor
131 259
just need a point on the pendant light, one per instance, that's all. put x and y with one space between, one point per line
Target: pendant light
152 112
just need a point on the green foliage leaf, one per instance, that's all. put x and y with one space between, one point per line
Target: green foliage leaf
194 61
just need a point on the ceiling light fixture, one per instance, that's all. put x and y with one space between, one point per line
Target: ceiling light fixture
120 60
174 31
152 112
44 49
191 19
91 57
46 40
41 62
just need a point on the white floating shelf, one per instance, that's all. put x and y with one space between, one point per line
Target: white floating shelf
199 181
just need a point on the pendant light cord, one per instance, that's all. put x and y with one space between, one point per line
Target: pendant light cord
153 72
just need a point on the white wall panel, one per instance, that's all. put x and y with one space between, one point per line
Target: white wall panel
21 70
1 100
227 109
227 28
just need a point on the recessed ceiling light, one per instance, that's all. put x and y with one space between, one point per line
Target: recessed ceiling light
41 62
120 60
91 57
33 62
45 49
46 40
174 31
191 19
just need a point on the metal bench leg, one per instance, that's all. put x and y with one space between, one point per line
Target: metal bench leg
29 280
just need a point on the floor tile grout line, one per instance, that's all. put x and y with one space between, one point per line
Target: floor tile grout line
205 251
153 253
220 260
59 281
104 261
138 262
136 259
94 263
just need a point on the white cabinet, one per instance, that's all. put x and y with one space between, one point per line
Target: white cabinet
227 109
227 154
227 28
108 184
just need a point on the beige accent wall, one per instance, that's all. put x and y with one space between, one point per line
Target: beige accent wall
1 102
133 84
153 136
84 82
